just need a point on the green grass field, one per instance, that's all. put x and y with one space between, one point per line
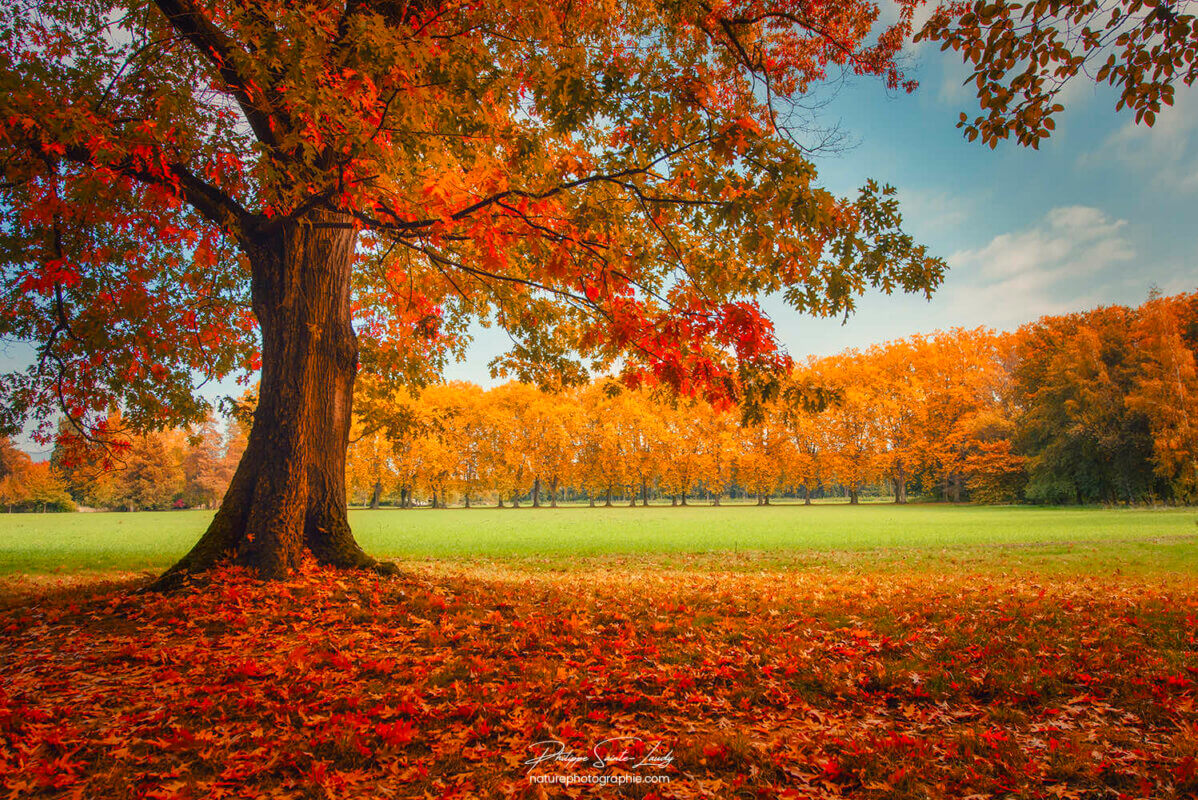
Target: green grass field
736 537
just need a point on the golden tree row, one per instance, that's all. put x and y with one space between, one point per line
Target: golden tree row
1100 406
920 409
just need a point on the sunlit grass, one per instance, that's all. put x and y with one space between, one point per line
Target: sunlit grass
791 536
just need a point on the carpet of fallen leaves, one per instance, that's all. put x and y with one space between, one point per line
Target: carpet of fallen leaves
441 684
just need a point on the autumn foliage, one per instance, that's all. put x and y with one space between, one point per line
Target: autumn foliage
1021 56
528 163
1090 407
816 684
27 485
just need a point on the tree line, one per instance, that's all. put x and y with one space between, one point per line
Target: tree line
1093 407
26 485
168 469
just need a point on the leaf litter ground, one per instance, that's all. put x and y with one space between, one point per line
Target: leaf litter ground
448 681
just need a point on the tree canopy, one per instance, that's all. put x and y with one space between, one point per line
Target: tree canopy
608 181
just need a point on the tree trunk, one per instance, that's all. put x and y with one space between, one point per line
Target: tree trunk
376 495
536 493
607 502
287 496
853 496
553 492
715 498
806 496
644 494
900 487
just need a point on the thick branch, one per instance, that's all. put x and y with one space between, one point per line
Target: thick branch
616 178
213 203
211 41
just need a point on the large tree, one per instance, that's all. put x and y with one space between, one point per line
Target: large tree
197 186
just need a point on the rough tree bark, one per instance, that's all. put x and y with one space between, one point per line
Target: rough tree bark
287 496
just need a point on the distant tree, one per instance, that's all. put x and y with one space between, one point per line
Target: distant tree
682 449
205 476
29 486
44 489
994 472
369 468
960 371
644 451
150 477
14 466
605 465
854 445
809 452
718 432
1165 390
764 454
512 439
12 460
1072 379
900 411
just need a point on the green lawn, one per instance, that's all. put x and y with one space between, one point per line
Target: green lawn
738 537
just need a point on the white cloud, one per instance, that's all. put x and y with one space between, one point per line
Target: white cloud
1066 261
955 87
1163 153
1071 259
